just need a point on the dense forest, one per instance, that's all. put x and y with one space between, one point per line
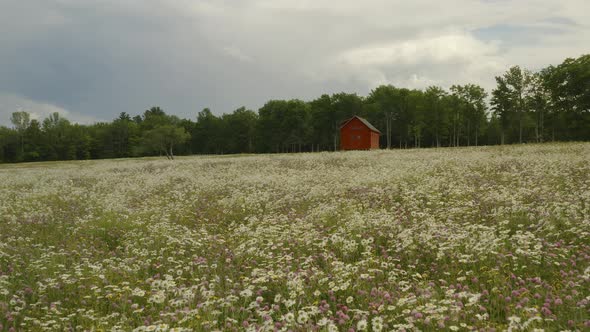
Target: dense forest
552 104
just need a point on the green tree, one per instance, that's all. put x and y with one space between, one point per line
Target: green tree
55 130
322 123
385 100
21 120
539 103
416 116
206 134
502 105
9 145
400 110
436 109
124 134
568 85
35 141
240 130
283 125
510 97
519 81
163 138
472 108
155 117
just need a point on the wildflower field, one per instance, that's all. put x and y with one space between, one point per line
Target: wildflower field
485 239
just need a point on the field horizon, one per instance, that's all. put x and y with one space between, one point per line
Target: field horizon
26 164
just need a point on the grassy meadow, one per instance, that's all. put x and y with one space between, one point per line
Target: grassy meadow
463 239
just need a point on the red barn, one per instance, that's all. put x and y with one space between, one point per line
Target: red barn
357 133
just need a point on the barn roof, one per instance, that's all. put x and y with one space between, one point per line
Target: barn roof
364 121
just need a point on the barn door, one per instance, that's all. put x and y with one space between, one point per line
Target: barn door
356 140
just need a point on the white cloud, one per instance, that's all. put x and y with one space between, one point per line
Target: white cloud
415 44
435 49
236 53
10 103
444 59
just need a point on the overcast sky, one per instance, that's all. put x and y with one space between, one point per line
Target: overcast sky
92 59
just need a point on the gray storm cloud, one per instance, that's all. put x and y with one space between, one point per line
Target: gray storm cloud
94 59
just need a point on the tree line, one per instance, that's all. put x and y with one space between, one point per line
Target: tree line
552 104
